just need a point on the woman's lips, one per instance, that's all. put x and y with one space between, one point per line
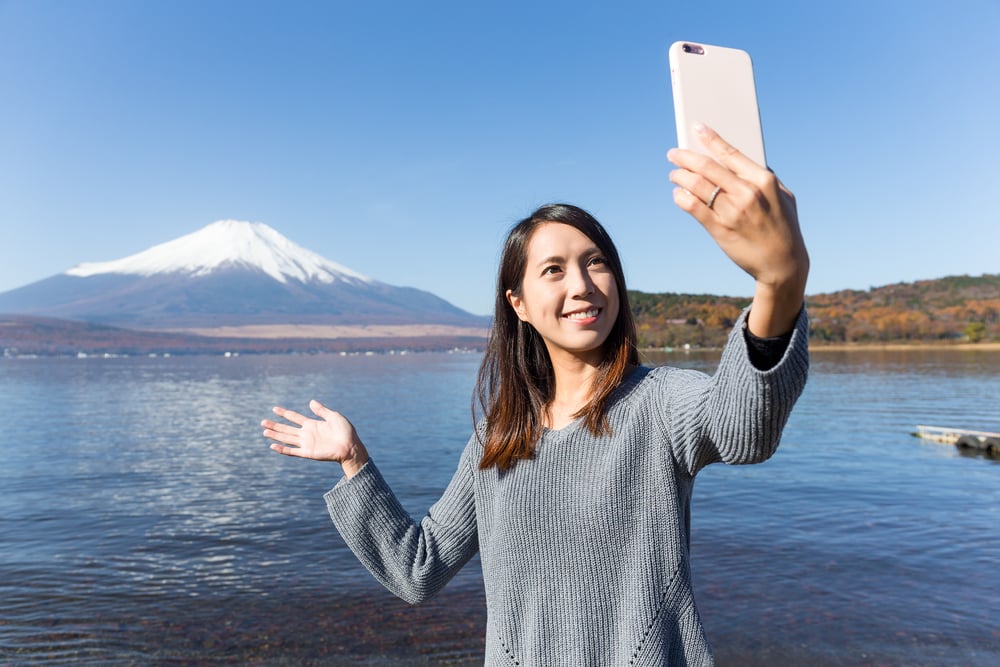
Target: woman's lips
583 315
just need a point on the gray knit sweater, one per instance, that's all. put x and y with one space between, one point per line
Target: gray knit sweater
585 548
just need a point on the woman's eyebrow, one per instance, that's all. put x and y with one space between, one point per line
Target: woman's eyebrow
559 259
551 259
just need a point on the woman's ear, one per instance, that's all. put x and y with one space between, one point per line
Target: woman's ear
517 303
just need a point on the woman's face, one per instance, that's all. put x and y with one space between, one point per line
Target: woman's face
569 293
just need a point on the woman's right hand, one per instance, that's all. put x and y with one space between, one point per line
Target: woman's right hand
330 438
752 217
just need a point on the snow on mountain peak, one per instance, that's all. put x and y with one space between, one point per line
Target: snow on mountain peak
226 244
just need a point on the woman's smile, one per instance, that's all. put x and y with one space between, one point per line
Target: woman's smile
584 316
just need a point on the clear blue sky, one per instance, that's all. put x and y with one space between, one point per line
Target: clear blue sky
403 138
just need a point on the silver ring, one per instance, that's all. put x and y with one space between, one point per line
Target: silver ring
715 193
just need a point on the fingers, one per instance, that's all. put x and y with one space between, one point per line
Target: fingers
290 415
726 153
691 203
319 409
700 166
287 451
695 190
728 169
279 427
284 433
279 439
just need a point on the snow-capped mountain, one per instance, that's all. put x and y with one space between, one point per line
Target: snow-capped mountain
228 244
229 273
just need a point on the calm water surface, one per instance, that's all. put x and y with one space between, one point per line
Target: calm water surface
144 521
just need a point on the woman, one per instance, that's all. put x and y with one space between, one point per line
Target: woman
576 487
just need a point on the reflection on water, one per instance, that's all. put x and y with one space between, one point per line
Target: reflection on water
143 518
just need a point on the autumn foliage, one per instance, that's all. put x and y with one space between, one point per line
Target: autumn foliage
953 309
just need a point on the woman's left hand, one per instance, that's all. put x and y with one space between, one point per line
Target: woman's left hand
752 217
330 438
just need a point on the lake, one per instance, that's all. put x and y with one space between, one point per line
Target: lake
143 520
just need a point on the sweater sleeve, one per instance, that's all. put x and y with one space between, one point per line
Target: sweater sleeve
736 415
414 561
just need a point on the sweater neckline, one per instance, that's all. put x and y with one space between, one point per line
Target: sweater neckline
560 431
631 381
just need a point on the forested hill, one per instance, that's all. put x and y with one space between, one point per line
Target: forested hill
952 309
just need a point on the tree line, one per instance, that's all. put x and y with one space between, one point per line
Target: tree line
951 309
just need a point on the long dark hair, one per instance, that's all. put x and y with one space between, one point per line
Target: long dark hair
516 381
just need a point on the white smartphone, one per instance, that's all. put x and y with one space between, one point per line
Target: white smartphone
714 85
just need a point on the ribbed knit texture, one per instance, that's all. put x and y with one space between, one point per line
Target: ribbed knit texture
585 548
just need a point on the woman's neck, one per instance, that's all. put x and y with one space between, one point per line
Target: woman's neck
574 387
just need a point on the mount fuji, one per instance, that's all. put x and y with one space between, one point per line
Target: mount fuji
228 274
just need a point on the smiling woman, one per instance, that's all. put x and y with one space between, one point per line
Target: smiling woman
558 264
575 487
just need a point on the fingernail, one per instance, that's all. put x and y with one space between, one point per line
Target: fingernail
699 128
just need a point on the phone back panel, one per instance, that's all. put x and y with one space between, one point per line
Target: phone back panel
716 87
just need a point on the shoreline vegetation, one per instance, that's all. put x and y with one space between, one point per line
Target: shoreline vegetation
899 347
946 312
954 313
815 346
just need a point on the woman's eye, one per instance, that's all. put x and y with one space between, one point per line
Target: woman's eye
597 261
549 270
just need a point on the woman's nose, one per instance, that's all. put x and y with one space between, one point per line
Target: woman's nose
583 285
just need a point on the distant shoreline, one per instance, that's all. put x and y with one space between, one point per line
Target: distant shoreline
895 347
857 347
332 332
21 335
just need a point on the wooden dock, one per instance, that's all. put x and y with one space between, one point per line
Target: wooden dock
963 438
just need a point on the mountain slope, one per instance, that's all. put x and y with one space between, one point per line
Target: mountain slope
229 273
